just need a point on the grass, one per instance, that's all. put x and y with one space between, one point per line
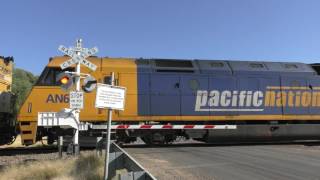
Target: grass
87 166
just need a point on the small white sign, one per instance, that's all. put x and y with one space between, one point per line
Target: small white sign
76 100
112 97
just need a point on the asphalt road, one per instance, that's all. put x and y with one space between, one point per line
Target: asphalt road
257 162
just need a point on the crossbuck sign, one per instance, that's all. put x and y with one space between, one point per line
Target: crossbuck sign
78 57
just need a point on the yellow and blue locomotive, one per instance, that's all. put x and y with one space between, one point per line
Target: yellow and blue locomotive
7 122
168 98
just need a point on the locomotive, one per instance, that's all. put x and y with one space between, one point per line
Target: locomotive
7 98
207 100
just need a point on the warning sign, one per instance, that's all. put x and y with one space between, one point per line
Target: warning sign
111 97
76 100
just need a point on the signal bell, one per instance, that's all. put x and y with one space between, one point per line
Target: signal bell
89 84
65 81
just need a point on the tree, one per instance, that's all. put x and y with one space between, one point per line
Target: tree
21 86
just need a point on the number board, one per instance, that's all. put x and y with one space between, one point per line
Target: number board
111 97
76 100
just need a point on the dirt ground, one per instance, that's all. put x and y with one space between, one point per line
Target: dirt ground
15 158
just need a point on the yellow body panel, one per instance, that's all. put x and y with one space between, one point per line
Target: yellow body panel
5 75
53 99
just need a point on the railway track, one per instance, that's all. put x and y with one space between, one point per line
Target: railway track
12 151
187 143
26 150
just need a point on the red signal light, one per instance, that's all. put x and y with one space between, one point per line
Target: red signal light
64 80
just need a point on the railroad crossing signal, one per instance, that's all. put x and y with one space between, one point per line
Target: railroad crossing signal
78 54
65 80
89 84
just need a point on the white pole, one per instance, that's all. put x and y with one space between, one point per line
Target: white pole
108 136
60 146
77 112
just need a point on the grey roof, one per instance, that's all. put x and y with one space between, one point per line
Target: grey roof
240 67
228 67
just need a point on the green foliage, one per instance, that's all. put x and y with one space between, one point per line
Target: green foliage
22 84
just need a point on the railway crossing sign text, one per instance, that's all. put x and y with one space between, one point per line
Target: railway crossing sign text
111 97
76 100
78 57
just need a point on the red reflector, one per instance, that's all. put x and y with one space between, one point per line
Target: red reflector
145 126
167 127
189 126
209 126
122 126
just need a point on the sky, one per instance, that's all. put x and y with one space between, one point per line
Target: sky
269 30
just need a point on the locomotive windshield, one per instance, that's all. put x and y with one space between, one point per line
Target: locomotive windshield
48 76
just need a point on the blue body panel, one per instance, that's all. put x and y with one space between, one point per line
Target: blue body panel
200 93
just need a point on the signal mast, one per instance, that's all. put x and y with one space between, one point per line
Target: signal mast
66 80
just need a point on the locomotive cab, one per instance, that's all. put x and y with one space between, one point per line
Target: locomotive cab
47 96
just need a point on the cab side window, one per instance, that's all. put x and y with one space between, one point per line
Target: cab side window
107 80
49 75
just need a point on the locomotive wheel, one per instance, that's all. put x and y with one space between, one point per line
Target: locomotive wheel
154 138
147 140
51 139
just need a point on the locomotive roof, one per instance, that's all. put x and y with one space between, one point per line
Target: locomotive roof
226 67
199 66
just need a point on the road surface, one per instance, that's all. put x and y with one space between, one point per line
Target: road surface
246 162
